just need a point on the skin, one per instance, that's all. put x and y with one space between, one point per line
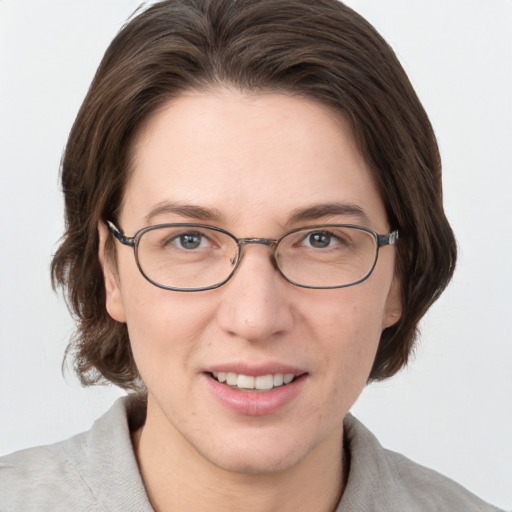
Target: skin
253 159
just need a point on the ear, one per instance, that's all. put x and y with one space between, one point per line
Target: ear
393 306
113 295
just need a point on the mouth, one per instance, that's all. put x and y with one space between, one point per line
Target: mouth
257 391
254 383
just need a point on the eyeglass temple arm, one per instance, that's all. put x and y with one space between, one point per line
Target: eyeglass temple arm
119 234
388 239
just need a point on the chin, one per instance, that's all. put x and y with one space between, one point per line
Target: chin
258 454
252 464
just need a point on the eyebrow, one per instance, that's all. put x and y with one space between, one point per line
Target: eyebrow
309 213
184 210
328 210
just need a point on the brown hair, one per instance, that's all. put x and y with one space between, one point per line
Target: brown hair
319 49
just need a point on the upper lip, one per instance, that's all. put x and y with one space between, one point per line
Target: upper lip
255 370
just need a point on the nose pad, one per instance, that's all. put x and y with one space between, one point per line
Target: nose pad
273 260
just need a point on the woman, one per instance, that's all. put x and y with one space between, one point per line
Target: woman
254 229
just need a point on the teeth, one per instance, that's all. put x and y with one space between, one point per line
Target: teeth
278 379
288 377
245 382
262 382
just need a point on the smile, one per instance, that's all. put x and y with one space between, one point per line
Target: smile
248 382
260 394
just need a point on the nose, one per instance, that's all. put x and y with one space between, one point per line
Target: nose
256 303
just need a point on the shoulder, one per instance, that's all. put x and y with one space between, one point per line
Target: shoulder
44 478
92 471
384 480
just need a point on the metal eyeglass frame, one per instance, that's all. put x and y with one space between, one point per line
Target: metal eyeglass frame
381 240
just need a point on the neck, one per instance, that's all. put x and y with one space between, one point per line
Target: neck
177 477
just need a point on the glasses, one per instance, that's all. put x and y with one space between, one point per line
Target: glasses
193 257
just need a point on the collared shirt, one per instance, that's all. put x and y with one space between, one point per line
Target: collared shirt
97 471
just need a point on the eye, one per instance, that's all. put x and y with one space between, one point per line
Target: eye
318 239
189 241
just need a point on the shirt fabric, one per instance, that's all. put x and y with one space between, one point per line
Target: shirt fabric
97 471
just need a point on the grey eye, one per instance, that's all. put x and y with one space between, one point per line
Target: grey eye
189 240
319 239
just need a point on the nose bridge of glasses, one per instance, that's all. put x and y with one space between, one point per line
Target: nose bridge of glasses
269 242
261 241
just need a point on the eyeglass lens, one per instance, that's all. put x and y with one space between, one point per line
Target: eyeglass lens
200 257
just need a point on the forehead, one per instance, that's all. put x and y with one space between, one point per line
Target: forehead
246 156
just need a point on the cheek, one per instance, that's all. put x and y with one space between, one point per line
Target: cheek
348 327
349 317
164 329
343 337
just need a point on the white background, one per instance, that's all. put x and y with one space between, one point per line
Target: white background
451 409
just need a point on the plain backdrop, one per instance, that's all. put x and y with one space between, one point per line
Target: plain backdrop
451 409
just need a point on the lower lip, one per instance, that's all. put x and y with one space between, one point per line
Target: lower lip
255 403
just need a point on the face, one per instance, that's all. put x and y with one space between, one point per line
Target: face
248 164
